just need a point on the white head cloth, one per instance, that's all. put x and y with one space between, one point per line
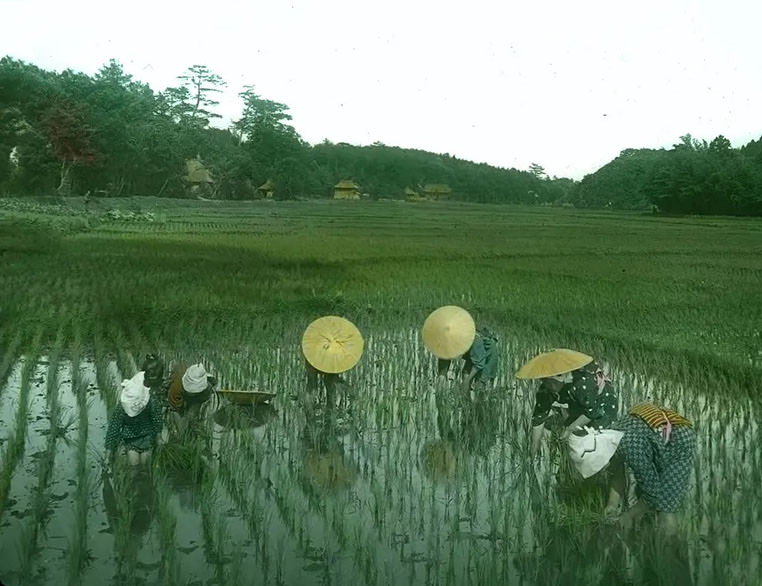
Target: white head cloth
134 394
194 379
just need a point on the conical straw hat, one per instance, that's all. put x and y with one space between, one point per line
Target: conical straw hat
448 332
553 363
332 344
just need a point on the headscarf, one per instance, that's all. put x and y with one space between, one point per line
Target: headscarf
154 369
134 395
194 379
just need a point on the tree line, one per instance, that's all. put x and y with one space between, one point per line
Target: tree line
109 134
693 177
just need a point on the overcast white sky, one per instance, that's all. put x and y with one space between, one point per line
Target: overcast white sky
565 84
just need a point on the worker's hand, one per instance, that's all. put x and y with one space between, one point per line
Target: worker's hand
631 517
667 523
566 433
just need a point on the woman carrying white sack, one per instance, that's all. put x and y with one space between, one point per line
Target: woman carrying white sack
576 389
136 422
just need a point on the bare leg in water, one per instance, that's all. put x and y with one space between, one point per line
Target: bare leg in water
615 503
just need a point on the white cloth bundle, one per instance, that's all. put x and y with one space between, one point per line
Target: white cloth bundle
591 452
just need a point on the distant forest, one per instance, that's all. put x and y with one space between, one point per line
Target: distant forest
107 134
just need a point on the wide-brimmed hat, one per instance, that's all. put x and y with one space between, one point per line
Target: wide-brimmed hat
448 332
194 379
332 344
553 363
134 395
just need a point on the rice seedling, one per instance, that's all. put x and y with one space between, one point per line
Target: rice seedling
10 355
14 448
399 481
79 555
41 500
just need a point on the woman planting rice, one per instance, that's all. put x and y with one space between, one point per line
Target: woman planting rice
584 401
190 388
154 374
136 422
450 333
658 446
574 388
331 345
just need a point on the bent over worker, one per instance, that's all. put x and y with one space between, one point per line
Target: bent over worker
449 333
658 446
331 346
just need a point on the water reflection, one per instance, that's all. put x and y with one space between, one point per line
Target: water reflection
242 417
129 498
390 483
471 424
325 464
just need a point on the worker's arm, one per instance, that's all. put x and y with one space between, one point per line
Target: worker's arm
581 421
470 378
537 432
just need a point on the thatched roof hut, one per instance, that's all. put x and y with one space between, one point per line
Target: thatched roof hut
346 189
267 189
413 195
436 191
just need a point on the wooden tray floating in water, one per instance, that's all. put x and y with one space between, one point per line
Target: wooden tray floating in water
246 397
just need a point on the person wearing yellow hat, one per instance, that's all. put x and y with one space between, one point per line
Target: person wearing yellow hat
449 333
572 386
136 423
575 388
331 346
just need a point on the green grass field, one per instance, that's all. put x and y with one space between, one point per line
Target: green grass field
672 306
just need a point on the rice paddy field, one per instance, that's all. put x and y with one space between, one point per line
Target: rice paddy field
396 478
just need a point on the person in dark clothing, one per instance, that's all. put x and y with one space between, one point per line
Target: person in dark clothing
154 374
480 362
658 446
190 389
581 399
136 423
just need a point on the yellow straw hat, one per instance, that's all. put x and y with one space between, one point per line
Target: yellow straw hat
332 344
448 332
553 363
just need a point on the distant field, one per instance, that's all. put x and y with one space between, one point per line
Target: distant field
397 481
677 287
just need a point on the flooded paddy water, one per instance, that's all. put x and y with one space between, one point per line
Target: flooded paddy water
395 480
